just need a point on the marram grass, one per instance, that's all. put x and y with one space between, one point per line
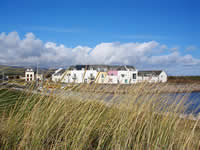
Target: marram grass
74 120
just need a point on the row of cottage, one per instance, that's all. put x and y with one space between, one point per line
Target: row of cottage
106 74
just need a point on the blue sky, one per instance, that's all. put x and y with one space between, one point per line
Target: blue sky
173 23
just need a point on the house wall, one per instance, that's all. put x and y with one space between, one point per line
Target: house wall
124 77
163 77
113 72
132 80
56 78
102 77
29 76
88 75
154 79
76 76
67 78
112 79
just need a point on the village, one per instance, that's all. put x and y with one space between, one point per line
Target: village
102 74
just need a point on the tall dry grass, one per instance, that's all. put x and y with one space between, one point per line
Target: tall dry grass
83 119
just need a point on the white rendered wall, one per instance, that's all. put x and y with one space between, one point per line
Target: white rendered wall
29 73
163 77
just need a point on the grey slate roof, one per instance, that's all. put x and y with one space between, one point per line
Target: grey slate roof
59 72
149 72
101 67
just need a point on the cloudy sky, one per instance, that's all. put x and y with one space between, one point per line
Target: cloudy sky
147 34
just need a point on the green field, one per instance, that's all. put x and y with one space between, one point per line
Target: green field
9 70
8 99
184 79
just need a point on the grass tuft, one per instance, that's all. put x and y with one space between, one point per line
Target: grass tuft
81 119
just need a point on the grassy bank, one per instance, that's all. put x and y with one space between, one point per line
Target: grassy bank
184 79
56 121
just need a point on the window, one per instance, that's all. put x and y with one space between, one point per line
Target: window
102 76
27 75
31 75
112 74
134 76
91 76
74 77
122 75
126 81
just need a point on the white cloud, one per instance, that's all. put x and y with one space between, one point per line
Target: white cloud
191 47
146 55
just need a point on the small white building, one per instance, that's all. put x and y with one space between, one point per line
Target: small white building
152 76
39 76
29 75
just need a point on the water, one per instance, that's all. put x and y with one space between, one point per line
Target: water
192 99
194 103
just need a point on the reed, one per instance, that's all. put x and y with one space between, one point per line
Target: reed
80 119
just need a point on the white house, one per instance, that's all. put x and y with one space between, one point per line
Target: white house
29 75
106 74
58 75
152 76
127 75
82 74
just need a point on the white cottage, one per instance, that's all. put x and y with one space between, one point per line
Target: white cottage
29 75
127 75
75 74
152 76
81 74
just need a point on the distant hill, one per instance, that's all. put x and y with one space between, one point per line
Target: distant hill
18 70
11 70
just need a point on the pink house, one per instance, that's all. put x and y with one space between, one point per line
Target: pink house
112 72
